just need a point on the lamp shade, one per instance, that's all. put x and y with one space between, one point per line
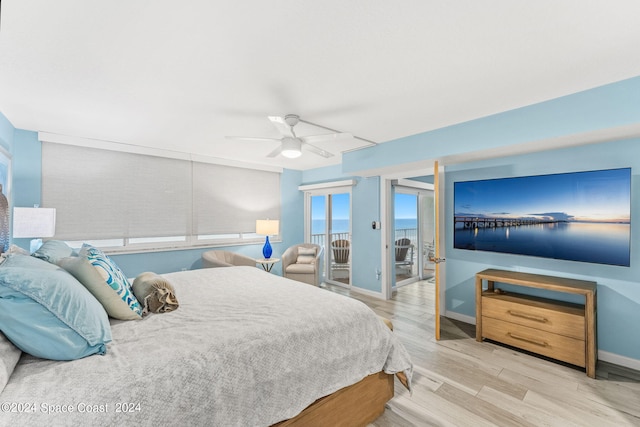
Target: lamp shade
267 227
34 222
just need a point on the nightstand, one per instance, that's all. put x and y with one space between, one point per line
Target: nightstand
267 264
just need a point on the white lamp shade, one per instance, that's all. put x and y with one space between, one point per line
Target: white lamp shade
34 222
267 227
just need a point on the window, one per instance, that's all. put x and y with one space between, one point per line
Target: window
140 201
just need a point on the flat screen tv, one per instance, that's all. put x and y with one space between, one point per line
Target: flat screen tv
578 216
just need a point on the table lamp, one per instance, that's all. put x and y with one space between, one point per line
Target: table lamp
267 227
34 222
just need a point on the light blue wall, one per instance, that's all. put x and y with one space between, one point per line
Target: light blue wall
325 174
291 217
27 167
365 242
618 287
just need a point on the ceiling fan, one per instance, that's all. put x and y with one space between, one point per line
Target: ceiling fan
291 145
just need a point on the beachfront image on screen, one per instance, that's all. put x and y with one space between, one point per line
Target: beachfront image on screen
578 216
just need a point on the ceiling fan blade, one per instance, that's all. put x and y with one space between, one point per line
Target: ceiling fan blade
282 126
275 152
316 150
330 137
251 138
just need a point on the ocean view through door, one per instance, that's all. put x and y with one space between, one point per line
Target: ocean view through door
330 225
407 237
413 234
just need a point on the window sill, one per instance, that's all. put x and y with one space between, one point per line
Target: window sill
151 249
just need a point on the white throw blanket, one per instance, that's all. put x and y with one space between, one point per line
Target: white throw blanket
246 348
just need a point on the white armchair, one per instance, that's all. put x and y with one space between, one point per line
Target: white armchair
302 265
212 259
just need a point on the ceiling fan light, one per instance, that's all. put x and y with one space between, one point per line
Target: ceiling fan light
291 148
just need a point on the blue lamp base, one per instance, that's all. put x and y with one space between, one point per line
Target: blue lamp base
266 249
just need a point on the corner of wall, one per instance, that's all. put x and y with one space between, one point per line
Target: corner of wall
27 168
6 133
292 204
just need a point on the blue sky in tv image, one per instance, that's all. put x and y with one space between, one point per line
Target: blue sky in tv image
595 196
581 216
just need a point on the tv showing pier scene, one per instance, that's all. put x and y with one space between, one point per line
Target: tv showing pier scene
577 216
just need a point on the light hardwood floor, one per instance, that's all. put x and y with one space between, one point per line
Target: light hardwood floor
460 382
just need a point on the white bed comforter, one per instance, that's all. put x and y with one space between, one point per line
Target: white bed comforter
245 348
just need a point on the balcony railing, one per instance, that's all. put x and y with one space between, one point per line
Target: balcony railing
319 239
409 233
400 233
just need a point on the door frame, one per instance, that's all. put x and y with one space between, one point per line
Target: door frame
386 206
326 189
416 188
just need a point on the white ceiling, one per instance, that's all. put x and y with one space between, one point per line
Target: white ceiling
182 75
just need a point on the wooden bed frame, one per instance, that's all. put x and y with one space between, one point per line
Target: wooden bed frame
356 405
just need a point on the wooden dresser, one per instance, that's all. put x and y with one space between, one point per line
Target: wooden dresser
552 328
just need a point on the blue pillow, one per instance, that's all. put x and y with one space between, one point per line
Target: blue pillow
47 313
26 261
53 250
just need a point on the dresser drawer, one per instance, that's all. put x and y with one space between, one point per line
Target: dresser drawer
558 347
552 328
562 319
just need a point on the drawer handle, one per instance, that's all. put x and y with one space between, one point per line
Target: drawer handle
528 316
529 340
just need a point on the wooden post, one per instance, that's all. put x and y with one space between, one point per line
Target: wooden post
589 314
478 308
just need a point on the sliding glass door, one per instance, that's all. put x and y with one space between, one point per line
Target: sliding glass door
406 238
413 235
329 225
340 238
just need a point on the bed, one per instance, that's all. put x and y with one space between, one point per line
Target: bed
244 348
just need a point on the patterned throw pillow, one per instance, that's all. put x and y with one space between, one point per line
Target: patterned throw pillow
104 279
306 255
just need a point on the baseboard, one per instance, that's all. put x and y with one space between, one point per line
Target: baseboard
367 292
353 288
461 317
616 359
